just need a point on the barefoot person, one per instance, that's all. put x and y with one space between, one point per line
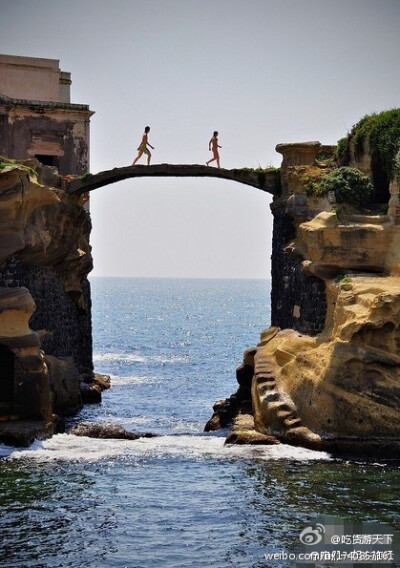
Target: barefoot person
143 149
213 146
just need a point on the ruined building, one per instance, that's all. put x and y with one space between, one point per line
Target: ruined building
37 118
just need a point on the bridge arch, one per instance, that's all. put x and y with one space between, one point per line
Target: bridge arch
265 180
181 228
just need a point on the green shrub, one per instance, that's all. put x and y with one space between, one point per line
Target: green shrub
313 187
350 186
341 148
397 166
326 158
382 131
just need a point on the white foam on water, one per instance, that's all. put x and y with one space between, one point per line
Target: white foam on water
117 380
161 424
136 358
66 447
171 359
122 357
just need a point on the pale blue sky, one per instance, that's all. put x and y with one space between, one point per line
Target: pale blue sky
258 71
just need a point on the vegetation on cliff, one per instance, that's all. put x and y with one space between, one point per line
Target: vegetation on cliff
377 133
25 166
350 186
397 165
373 144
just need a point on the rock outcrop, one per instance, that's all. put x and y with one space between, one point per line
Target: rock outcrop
107 431
326 375
45 316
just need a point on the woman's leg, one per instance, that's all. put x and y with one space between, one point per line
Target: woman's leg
137 157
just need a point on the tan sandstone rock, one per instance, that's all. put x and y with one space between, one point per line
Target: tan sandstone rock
338 391
44 225
44 236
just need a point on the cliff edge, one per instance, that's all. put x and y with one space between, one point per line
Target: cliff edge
45 307
326 374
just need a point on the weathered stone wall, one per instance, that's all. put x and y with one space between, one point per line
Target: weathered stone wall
37 118
56 132
33 78
69 331
45 307
298 301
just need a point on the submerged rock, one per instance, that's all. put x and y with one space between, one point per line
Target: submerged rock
106 431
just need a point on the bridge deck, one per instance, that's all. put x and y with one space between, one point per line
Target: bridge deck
265 180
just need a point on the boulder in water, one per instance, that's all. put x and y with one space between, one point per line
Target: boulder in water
106 431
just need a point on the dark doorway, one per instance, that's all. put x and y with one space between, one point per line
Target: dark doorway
47 160
7 371
380 179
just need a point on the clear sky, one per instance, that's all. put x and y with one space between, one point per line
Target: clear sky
258 71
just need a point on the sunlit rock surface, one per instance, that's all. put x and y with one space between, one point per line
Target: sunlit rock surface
45 319
326 375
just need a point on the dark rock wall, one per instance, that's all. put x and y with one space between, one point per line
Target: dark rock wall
69 327
298 301
3 134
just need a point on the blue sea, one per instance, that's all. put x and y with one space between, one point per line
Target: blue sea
181 499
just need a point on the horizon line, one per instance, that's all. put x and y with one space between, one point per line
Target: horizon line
183 277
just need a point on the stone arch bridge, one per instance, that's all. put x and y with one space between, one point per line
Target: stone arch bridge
265 180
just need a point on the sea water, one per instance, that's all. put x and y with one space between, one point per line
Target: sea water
181 499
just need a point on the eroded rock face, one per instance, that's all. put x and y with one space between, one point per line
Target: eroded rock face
65 385
243 432
44 298
226 411
24 374
343 383
326 375
321 390
44 226
361 243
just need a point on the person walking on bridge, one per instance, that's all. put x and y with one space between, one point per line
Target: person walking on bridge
213 146
143 149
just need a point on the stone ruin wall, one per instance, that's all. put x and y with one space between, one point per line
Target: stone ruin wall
68 327
298 301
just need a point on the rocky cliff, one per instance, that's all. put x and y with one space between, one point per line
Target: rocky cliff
45 309
326 375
